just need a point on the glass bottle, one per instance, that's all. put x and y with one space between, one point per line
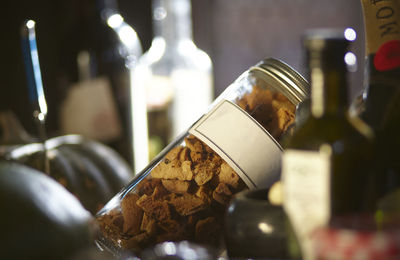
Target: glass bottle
175 75
379 104
94 78
382 73
325 163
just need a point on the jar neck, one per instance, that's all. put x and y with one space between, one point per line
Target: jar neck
172 21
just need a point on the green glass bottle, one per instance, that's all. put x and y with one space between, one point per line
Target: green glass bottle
382 70
326 166
381 98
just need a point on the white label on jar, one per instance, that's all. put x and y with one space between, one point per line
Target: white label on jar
243 143
306 178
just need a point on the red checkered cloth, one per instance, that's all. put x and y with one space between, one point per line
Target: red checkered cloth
344 244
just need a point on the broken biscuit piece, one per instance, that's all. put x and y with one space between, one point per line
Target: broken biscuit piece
176 186
169 225
222 194
159 192
132 214
147 186
194 144
197 151
148 225
187 204
156 209
184 155
204 193
285 119
167 171
137 242
174 153
204 172
228 175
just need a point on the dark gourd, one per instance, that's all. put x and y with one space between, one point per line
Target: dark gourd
88 169
39 218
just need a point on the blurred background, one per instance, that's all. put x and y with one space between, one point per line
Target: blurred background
234 33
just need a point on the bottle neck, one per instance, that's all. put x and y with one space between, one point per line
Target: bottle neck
328 85
172 20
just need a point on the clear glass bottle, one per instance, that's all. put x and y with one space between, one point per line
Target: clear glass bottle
326 163
176 77
94 74
184 192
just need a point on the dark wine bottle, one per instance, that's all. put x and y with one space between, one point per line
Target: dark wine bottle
94 75
381 98
326 163
382 73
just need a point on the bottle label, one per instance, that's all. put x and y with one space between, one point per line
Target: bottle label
90 110
243 143
382 23
306 183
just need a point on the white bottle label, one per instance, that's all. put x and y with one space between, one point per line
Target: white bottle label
243 143
90 110
306 183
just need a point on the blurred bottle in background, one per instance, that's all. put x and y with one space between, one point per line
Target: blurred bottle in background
174 77
99 51
382 70
328 158
379 103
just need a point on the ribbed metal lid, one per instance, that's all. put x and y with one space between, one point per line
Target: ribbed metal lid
290 81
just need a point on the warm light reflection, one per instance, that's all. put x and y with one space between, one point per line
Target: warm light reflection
170 248
350 34
126 34
265 228
159 13
41 116
36 67
30 24
115 20
139 121
351 61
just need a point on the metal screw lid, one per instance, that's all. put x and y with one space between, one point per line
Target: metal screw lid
295 85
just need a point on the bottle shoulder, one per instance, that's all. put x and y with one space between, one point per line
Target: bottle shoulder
161 55
329 130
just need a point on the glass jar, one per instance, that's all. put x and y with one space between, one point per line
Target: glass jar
183 193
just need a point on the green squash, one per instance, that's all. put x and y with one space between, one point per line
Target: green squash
93 172
39 218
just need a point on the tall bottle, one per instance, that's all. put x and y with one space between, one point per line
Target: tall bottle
381 97
175 75
382 74
325 165
94 78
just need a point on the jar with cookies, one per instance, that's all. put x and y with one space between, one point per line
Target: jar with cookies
182 195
